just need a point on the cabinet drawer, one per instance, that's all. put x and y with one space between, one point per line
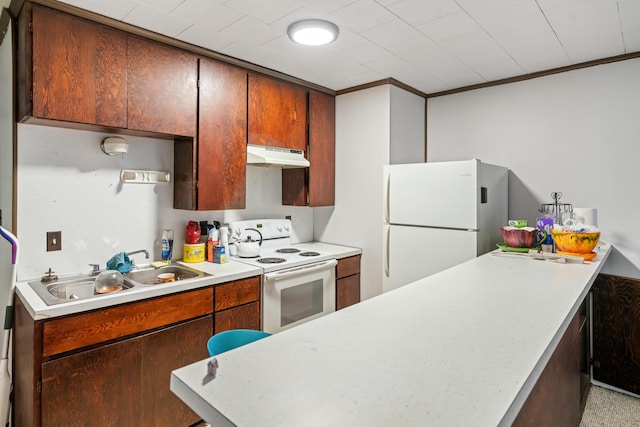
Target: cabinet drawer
348 266
243 317
237 293
347 291
70 333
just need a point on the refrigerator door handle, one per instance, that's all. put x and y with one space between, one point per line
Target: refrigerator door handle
387 184
385 246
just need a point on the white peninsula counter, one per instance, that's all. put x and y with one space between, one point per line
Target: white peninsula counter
462 347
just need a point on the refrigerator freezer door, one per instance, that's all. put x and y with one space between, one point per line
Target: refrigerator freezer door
411 253
439 194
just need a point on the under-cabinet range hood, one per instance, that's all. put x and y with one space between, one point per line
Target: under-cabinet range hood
259 155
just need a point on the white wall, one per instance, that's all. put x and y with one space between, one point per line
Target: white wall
362 147
6 164
575 132
66 183
374 127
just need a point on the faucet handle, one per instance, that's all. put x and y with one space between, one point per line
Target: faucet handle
95 270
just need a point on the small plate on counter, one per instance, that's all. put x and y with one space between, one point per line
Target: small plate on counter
506 248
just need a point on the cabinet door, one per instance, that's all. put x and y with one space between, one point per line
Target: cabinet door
616 332
555 398
222 136
277 113
97 387
243 317
163 352
347 291
79 70
315 186
322 149
347 281
162 88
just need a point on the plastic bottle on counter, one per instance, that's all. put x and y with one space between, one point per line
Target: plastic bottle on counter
167 245
224 238
212 242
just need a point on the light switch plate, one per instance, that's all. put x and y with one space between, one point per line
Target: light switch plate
54 241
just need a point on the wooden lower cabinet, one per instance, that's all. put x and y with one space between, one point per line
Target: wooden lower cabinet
555 398
125 383
110 366
162 352
97 387
237 305
347 282
585 351
616 332
246 316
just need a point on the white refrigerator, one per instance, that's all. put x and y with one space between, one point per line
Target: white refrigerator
440 214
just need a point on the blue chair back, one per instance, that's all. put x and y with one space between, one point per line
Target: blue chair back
228 340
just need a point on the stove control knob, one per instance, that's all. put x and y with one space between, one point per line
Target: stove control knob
286 227
280 227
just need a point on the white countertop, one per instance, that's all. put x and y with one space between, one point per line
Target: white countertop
459 348
220 273
338 251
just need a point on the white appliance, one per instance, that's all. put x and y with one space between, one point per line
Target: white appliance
438 215
297 285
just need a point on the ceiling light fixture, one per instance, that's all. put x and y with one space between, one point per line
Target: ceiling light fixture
313 32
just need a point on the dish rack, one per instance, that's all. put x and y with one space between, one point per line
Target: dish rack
556 210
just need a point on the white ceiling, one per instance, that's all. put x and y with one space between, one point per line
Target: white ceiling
431 45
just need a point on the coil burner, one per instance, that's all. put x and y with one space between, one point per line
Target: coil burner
271 260
288 251
310 253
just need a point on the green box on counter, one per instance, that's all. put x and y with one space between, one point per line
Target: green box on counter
518 223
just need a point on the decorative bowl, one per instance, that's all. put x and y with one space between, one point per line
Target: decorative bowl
575 242
523 237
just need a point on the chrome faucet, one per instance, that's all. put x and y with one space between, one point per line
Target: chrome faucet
95 270
146 255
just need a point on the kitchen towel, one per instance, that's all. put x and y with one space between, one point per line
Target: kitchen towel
120 262
588 216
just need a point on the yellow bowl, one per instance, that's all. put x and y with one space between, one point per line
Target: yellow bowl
575 242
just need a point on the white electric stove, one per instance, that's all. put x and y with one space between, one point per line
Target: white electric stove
276 251
297 285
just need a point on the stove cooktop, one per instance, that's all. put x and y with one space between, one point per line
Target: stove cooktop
276 251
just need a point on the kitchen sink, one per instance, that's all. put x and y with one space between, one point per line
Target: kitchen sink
150 276
79 287
71 288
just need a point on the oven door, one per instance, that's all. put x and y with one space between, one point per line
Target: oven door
296 295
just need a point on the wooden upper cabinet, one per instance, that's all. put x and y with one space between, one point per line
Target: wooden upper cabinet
162 88
78 70
222 136
277 113
322 149
315 186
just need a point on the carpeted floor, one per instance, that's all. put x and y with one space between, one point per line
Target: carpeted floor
607 408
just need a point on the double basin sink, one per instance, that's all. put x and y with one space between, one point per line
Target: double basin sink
82 287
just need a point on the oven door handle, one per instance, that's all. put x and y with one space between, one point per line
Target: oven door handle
297 271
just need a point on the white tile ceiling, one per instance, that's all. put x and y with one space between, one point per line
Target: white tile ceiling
431 45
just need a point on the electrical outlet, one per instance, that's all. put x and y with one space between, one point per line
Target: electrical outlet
54 241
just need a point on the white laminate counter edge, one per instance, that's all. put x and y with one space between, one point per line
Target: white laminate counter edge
198 404
527 387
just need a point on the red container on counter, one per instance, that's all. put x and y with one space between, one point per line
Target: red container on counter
193 233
